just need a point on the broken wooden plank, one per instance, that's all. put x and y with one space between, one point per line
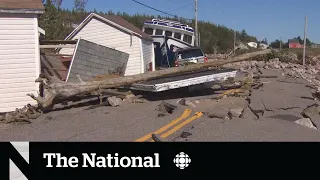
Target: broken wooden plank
58 46
58 42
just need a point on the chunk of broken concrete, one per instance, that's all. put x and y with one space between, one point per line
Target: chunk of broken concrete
236 113
218 115
190 104
311 111
165 107
114 101
306 122
197 102
185 102
248 114
182 102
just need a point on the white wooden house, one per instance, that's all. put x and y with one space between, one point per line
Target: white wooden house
19 52
117 33
253 44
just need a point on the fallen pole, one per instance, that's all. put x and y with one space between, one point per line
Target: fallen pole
55 90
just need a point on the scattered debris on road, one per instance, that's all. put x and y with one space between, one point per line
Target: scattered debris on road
114 101
157 138
165 108
306 122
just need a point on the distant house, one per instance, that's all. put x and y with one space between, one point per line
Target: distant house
294 43
314 45
253 44
263 46
19 52
116 33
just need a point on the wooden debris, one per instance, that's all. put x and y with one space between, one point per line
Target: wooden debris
157 138
24 114
56 90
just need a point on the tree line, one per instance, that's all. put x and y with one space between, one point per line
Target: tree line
59 22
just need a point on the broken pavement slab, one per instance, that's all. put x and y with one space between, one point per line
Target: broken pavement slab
165 108
248 114
313 113
185 102
226 108
306 122
235 112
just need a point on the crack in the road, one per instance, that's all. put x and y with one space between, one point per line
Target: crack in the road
309 98
288 108
255 112
289 82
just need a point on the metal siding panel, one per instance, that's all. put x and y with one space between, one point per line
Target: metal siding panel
17 62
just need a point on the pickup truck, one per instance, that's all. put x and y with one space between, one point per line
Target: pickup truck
188 56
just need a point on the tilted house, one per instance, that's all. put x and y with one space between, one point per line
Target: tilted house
19 52
116 33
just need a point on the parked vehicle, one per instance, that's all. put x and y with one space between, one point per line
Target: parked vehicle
189 56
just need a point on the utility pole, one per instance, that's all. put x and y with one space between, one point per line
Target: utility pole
234 42
196 23
280 43
305 40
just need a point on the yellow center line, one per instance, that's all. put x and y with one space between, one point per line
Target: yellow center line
176 128
173 130
184 115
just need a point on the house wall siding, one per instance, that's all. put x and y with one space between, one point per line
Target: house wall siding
103 34
19 61
295 45
148 54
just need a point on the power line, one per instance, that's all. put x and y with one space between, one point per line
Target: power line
160 10
181 7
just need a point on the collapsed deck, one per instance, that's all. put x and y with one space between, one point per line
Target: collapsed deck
179 81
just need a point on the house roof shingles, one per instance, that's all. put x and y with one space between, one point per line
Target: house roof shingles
21 5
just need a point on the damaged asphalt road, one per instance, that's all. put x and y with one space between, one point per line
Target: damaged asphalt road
274 111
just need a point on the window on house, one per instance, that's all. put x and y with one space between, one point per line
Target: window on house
177 35
148 31
159 32
187 39
168 33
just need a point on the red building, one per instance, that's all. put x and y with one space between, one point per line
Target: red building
294 43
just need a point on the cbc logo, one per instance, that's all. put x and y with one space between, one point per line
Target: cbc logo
182 160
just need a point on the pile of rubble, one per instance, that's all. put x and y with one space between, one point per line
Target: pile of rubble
308 72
